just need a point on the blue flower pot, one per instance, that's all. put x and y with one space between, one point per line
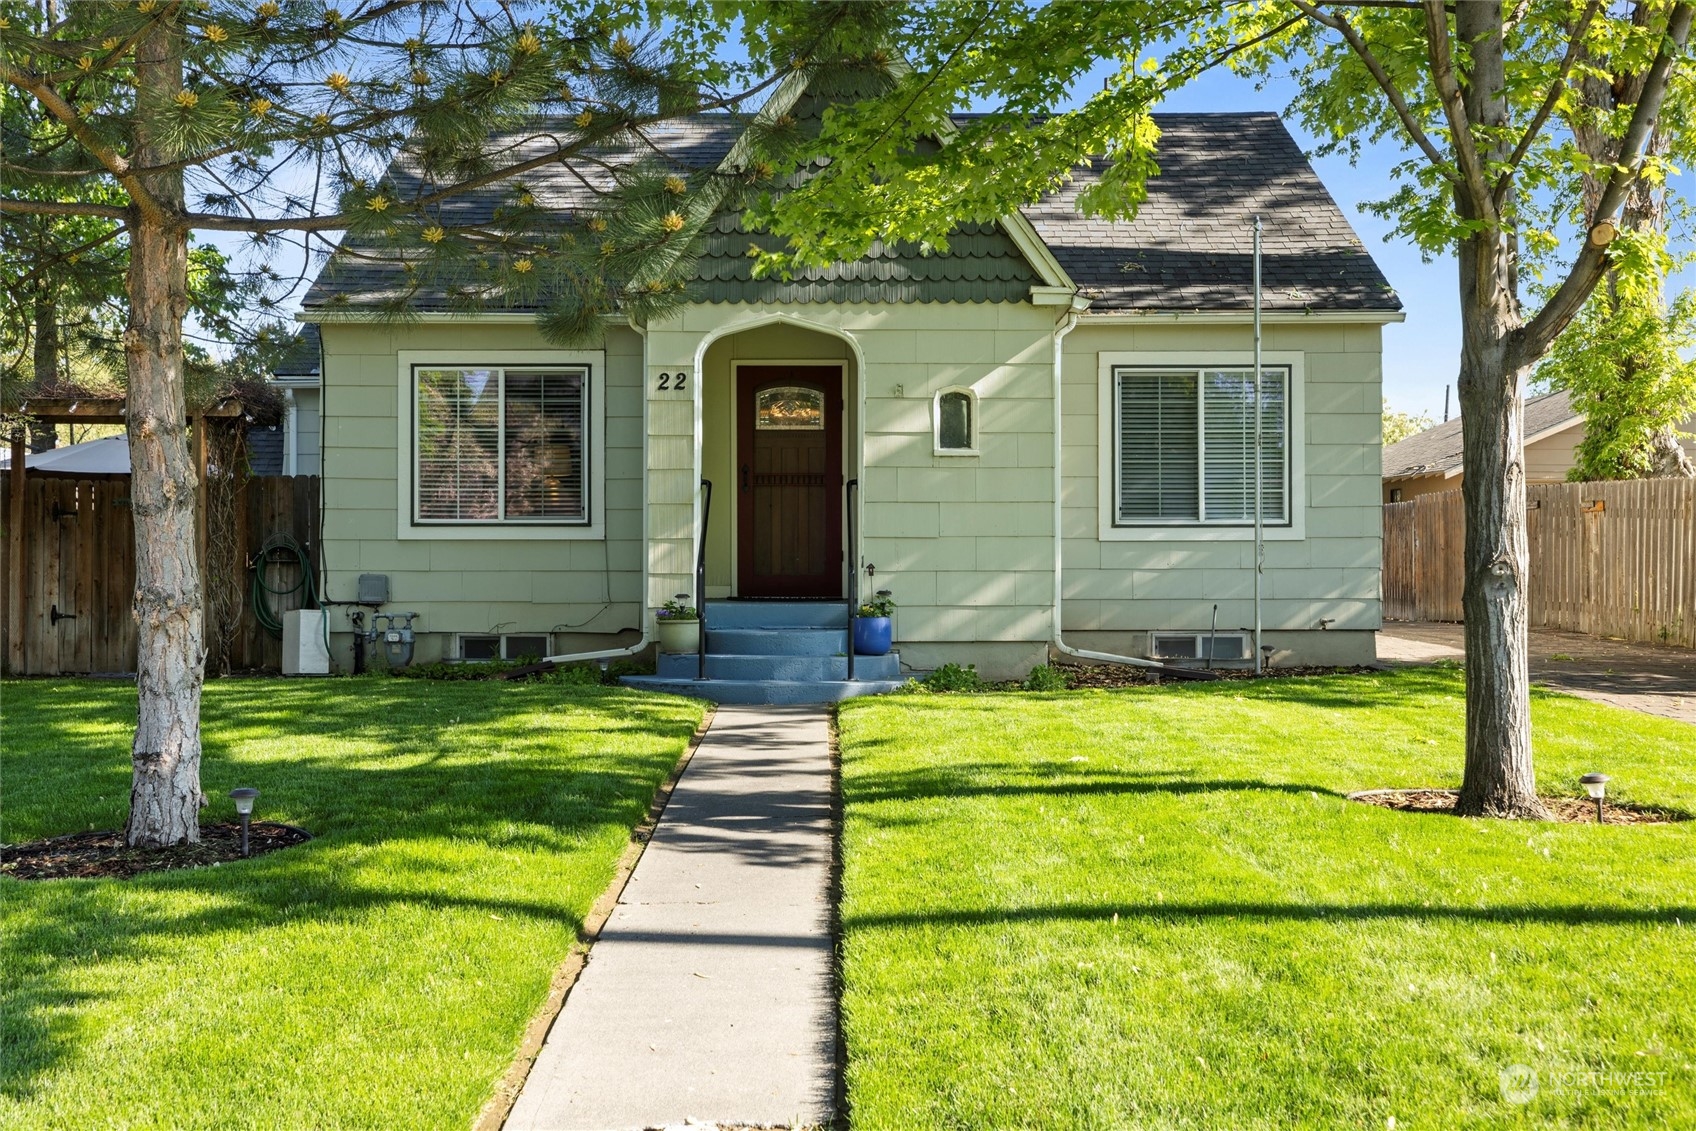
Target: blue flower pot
871 636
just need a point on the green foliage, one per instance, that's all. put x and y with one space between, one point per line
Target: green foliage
1401 425
878 606
1046 677
677 608
1626 362
953 677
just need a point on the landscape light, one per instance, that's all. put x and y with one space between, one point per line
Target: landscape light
1595 785
244 797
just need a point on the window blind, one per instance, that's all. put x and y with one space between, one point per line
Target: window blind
458 444
1228 471
1158 446
501 444
544 445
1186 446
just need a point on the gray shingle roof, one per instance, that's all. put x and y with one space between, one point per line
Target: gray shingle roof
1437 451
304 356
1191 244
1188 249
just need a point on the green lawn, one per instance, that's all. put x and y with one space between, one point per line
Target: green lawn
1155 908
380 976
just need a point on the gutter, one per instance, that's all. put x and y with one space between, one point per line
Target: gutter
1058 643
647 631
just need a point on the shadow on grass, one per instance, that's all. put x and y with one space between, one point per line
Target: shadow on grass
1004 779
416 773
1573 915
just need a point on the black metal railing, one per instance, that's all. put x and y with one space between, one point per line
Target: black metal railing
848 490
701 580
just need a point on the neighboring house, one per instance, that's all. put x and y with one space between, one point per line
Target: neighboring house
292 447
1049 425
1430 461
108 456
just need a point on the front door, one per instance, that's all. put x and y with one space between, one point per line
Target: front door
789 481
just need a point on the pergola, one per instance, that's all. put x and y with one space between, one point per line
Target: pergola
80 410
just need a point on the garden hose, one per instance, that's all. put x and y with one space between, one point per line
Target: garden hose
262 591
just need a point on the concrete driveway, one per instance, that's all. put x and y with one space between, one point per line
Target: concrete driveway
1642 677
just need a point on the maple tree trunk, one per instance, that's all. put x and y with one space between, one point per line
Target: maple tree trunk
165 797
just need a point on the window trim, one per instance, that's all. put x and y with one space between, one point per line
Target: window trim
410 528
1109 529
936 422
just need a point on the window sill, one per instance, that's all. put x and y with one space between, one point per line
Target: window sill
1198 533
501 532
955 452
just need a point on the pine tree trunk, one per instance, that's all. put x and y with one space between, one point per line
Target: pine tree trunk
43 436
165 797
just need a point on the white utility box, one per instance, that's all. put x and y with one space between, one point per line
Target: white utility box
304 652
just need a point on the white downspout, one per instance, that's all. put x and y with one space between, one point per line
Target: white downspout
647 634
291 433
1060 644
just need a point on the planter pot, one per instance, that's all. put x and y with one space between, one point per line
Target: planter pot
871 636
680 635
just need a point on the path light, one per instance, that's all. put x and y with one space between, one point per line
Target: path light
1596 785
244 799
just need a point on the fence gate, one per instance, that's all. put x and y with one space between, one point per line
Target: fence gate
69 584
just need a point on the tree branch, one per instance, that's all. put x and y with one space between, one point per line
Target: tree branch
1438 50
1385 83
61 208
1574 48
1534 338
114 162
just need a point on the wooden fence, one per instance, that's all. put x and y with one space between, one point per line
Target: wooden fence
69 580
1608 559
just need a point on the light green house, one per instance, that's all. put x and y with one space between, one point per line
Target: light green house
1042 438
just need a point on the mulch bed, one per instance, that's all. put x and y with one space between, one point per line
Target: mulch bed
1106 677
103 855
1573 810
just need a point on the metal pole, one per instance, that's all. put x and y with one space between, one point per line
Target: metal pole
1259 500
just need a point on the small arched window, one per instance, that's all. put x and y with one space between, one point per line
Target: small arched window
956 415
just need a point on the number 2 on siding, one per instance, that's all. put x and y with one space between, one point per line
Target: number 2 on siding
677 381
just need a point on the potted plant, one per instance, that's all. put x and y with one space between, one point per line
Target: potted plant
872 636
679 625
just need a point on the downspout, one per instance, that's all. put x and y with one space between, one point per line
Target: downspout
647 632
291 437
1059 644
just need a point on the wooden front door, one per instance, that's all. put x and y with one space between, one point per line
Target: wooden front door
789 481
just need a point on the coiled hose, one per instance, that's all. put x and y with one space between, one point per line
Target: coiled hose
275 552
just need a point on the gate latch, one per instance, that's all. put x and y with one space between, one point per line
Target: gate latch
54 615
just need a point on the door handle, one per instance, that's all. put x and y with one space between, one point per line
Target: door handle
55 616
744 477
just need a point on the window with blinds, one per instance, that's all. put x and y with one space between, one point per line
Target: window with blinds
1186 446
498 445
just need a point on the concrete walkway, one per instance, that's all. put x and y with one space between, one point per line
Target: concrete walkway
1642 677
708 994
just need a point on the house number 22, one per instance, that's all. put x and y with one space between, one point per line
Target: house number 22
677 381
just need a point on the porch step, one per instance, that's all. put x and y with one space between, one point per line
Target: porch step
780 667
776 614
743 691
776 641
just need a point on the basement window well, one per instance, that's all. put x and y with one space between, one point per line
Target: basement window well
508 646
1198 646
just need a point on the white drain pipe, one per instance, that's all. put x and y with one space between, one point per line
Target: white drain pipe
1058 643
647 633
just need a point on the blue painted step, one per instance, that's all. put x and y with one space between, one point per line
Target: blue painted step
721 666
777 614
777 641
747 691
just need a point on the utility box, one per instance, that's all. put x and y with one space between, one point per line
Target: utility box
304 649
373 589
